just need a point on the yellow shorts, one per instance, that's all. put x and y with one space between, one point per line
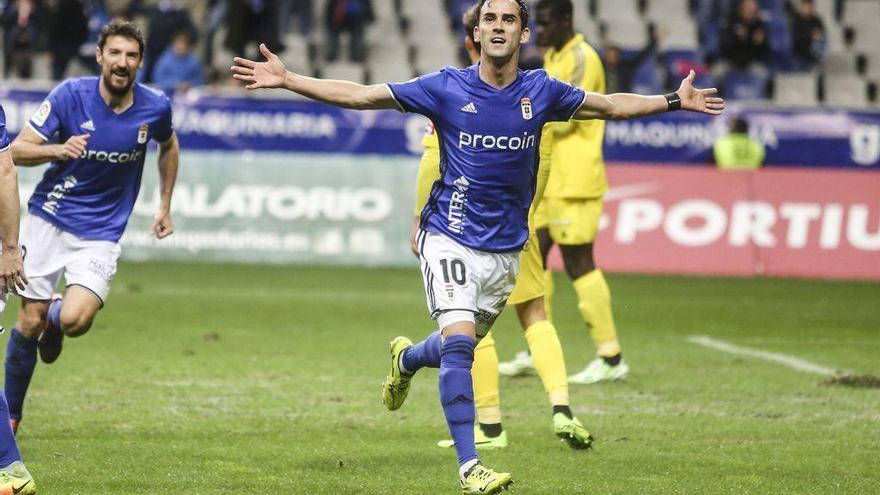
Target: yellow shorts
530 281
571 221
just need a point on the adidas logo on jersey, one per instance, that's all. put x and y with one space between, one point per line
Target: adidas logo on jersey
88 125
469 108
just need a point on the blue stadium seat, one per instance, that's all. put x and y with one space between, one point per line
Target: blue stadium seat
780 43
679 62
710 38
647 79
745 86
772 7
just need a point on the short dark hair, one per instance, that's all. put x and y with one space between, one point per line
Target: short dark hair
559 8
739 125
120 27
523 11
470 20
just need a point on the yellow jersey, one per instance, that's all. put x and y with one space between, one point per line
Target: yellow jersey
577 168
737 151
429 168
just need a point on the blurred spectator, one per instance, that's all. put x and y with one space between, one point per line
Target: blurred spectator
455 9
177 69
351 16
807 35
744 40
164 20
736 150
620 68
301 9
97 17
22 22
68 30
250 22
215 18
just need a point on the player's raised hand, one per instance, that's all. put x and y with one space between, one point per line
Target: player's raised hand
12 277
699 100
268 74
74 147
162 224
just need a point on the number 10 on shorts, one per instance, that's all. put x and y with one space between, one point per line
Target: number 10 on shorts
453 271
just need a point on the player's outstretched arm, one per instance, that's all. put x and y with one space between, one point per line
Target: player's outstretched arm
30 149
12 276
345 94
169 160
620 106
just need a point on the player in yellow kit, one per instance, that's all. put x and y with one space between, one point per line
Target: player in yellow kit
572 206
528 300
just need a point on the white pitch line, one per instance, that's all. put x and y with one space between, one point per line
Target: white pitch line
784 359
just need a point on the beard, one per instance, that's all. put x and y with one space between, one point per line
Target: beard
116 90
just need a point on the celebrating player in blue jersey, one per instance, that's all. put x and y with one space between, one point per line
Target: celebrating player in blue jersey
79 210
489 119
14 477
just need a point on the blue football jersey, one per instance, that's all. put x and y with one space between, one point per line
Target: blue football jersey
4 137
93 196
489 141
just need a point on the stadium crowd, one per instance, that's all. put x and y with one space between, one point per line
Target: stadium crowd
794 52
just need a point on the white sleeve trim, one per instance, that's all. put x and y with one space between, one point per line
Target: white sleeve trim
5 148
34 128
394 97
579 106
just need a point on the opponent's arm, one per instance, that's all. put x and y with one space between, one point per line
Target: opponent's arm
11 266
345 94
429 173
169 159
30 149
545 155
621 106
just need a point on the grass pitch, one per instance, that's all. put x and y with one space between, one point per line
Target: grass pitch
225 379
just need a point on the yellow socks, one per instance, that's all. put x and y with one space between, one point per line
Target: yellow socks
548 294
594 303
485 378
547 354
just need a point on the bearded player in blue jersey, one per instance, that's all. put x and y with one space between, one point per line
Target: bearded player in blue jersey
95 132
14 476
489 118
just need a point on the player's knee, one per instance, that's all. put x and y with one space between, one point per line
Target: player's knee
531 312
578 260
31 322
74 325
578 270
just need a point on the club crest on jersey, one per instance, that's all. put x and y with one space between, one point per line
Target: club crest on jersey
42 114
142 133
526 105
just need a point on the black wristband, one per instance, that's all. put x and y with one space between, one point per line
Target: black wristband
674 102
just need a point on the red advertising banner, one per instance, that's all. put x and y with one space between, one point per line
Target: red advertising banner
783 222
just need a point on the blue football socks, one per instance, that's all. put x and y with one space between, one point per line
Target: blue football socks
21 358
8 447
425 354
54 316
457 393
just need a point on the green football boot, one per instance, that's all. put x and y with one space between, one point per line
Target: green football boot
481 480
16 480
482 441
571 431
396 385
